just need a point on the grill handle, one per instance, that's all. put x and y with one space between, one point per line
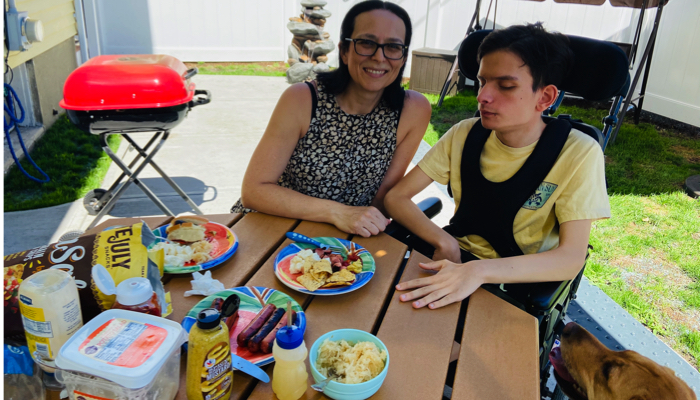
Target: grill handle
201 97
190 73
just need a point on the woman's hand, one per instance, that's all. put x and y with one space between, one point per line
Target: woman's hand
363 221
448 250
452 283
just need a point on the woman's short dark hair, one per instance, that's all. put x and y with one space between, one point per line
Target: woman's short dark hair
547 54
337 80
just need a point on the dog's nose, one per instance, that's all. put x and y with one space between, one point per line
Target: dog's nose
569 329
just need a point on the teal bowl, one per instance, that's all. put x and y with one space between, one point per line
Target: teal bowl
349 391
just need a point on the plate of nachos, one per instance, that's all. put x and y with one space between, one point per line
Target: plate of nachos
342 267
191 243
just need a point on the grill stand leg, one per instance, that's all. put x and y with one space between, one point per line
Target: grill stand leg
172 183
133 177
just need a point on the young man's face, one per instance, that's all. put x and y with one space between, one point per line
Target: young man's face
506 100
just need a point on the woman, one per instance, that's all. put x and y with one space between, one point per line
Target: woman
335 146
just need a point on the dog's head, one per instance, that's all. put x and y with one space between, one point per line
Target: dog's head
587 370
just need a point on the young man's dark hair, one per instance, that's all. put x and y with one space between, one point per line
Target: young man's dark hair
337 80
547 54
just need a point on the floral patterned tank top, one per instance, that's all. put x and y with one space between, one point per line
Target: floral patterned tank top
342 157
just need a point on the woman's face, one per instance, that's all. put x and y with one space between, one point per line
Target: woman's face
374 73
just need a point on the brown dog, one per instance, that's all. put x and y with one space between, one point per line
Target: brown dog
586 369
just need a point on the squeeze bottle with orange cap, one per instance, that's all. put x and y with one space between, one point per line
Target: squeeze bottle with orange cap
289 377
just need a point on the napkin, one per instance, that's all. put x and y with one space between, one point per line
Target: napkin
204 285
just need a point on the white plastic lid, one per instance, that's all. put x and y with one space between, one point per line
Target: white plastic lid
133 291
76 354
130 292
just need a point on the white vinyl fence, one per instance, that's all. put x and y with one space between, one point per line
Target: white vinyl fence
237 30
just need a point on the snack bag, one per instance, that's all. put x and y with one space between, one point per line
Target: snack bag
121 250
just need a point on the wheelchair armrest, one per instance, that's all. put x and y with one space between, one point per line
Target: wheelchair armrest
531 297
430 207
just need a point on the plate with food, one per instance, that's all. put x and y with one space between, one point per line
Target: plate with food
341 266
252 328
191 243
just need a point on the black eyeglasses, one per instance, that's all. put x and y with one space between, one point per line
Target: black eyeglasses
366 47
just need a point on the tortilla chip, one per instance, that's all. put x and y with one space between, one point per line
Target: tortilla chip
333 284
321 269
308 264
342 276
308 281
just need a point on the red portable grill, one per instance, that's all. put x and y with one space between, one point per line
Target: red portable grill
122 94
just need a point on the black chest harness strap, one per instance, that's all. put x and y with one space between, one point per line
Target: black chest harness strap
488 209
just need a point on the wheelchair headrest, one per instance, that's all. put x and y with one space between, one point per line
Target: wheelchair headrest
599 71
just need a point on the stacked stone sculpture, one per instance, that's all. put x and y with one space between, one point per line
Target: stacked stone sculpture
310 45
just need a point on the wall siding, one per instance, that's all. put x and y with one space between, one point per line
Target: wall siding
59 25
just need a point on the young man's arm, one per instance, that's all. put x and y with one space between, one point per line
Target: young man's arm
399 205
455 282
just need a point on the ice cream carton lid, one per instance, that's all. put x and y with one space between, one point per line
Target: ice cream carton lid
125 347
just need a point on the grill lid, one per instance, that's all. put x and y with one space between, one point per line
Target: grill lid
128 82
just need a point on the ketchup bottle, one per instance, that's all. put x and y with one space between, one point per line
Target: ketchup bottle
134 294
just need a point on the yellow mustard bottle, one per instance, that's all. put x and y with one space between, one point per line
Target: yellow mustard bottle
209 373
289 377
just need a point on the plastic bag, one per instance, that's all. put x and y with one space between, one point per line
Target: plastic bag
22 376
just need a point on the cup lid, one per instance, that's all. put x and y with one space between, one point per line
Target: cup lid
103 280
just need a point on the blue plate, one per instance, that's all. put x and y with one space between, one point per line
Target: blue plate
285 256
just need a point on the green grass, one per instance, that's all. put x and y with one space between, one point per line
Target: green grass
74 161
647 256
258 69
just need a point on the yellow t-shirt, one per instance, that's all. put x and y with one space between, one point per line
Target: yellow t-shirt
573 190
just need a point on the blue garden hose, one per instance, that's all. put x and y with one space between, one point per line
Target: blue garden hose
10 98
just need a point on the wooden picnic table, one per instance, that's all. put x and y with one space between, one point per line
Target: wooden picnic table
498 358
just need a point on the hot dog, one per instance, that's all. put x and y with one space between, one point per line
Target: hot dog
254 343
249 331
266 344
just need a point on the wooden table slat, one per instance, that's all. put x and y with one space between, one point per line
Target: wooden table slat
417 371
357 310
498 358
225 219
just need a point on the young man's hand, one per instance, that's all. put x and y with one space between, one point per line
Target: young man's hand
452 283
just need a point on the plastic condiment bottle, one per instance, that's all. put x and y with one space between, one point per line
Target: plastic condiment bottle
209 373
133 294
289 377
50 307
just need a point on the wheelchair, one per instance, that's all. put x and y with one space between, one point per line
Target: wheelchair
599 73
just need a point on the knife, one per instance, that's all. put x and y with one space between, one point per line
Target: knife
249 368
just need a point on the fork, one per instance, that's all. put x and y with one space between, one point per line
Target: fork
320 386
298 237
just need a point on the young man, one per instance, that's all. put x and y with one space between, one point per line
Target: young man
525 191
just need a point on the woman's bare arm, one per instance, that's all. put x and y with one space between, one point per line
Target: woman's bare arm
415 117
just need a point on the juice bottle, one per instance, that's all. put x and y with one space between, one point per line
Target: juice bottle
289 377
209 373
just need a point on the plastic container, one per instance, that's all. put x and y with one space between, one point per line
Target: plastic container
289 377
50 307
347 391
122 355
209 374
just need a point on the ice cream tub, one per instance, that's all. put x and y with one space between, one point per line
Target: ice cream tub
122 355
